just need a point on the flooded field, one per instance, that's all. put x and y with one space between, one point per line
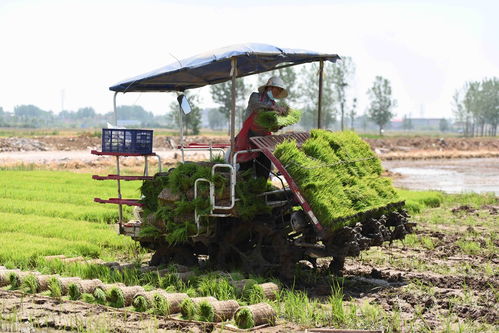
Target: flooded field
449 175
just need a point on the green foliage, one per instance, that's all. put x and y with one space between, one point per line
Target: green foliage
338 174
55 288
188 309
30 284
254 294
15 280
100 296
250 204
87 298
416 201
244 318
74 291
475 106
273 122
160 305
150 190
206 312
140 304
380 109
115 297
220 288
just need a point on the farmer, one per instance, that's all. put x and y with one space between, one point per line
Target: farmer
261 101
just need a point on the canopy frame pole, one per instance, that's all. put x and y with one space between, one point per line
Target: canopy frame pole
120 206
319 102
233 72
115 110
181 121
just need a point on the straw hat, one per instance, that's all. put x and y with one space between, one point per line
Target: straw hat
275 81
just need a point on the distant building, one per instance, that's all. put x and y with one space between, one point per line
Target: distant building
131 123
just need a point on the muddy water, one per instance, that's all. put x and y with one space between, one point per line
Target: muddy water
449 175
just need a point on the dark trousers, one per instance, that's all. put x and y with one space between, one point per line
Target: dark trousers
261 165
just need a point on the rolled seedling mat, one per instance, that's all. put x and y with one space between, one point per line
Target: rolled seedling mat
270 290
59 256
5 276
100 293
17 278
71 260
173 300
43 281
64 282
197 300
255 315
78 288
123 296
223 310
143 301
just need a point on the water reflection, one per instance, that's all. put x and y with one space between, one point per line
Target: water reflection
451 176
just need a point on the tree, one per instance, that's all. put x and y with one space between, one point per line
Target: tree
191 121
221 94
477 103
32 116
309 88
407 123
86 112
443 125
381 102
460 112
133 112
216 120
353 113
342 72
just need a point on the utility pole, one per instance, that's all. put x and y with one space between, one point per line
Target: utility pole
342 105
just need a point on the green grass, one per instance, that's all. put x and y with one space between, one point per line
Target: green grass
52 212
417 201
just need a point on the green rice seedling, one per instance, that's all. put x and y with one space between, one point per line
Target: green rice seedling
206 312
87 298
273 122
30 284
338 174
220 288
244 318
55 288
172 281
100 296
15 280
74 291
188 309
140 304
255 294
336 301
115 297
160 305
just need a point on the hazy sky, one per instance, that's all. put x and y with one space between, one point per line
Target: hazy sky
77 49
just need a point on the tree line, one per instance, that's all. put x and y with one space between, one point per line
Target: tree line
31 116
476 107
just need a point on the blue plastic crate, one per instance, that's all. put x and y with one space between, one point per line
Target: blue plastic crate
134 141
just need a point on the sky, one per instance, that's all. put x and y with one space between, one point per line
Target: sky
64 54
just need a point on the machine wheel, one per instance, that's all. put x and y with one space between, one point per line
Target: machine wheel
182 254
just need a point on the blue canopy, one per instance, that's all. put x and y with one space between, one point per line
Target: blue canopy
215 67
